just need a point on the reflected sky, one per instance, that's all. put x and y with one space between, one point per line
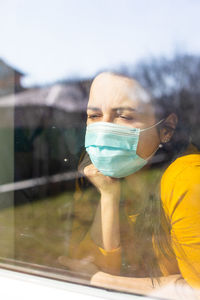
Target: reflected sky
55 39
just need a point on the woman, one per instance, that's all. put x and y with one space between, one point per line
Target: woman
146 224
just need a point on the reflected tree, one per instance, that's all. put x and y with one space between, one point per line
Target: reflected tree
175 81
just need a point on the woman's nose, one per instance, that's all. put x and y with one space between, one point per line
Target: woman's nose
107 118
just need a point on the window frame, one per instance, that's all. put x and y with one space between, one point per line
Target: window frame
37 278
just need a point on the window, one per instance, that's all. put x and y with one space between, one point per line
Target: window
99 131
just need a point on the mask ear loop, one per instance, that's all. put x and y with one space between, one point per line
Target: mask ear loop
158 123
160 145
152 125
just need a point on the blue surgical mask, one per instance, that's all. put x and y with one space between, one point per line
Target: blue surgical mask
112 148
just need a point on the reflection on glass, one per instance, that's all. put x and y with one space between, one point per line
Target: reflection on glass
115 204
42 136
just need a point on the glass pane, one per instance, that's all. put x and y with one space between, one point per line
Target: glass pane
100 143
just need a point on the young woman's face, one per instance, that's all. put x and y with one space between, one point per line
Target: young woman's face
121 100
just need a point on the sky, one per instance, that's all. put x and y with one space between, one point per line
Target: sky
50 40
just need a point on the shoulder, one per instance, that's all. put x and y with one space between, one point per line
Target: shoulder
184 166
181 178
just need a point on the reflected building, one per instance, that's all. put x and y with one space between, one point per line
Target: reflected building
49 130
10 79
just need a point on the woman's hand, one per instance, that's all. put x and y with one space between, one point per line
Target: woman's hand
105 184
87 267
83 266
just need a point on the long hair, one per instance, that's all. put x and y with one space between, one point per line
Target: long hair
152 227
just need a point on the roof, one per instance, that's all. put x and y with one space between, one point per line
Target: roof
60 105
6 70
66 97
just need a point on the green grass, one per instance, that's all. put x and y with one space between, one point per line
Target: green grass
37 232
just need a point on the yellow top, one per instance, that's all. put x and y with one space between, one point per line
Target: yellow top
180 196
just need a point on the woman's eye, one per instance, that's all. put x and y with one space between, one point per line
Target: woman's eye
129 118
93 116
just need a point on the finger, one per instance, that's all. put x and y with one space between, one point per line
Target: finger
87 260
90 171
72 264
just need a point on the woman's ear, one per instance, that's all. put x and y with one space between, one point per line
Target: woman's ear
168 128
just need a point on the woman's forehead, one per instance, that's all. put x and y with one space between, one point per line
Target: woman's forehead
110 90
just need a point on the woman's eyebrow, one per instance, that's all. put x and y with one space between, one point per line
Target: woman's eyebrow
113 109
93 108
124 108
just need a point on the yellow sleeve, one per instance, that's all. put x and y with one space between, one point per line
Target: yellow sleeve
181 200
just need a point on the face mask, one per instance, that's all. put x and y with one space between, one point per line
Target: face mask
112 148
